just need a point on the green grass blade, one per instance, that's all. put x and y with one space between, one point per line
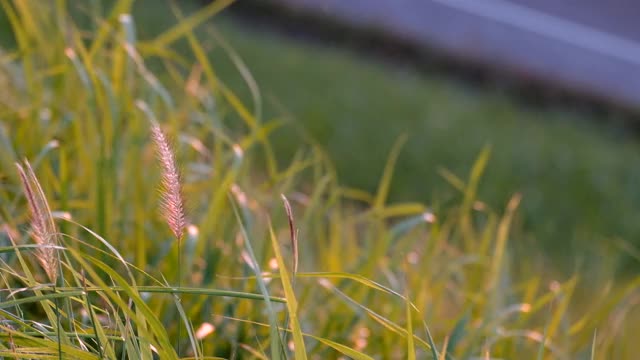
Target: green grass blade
386 323
593 345
411 348
474 179
501 243
276 342
292 304
387 174
345 350
187 25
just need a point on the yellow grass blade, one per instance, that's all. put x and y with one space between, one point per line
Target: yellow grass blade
292 304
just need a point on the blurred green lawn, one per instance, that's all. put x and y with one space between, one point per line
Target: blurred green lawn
579 177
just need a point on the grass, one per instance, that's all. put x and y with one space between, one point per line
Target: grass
370 277
576 170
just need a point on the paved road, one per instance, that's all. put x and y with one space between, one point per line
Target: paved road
618 17
591 47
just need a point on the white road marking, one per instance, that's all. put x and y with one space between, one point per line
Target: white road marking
553 27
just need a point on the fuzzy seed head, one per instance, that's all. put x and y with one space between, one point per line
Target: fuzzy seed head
43 228
172 203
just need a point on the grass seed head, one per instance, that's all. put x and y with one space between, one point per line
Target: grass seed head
292 232
172 202
43 228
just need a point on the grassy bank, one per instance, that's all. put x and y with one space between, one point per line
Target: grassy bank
97 263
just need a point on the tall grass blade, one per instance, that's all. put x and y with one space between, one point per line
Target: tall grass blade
292 304
411 348
474 179
593 345
387 174
383 321
276 343
187 25
501 243
350 352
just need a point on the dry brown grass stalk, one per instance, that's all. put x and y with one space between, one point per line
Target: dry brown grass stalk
172 202
43 228
292 232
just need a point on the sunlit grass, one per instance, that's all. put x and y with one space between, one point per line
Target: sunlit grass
332 272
